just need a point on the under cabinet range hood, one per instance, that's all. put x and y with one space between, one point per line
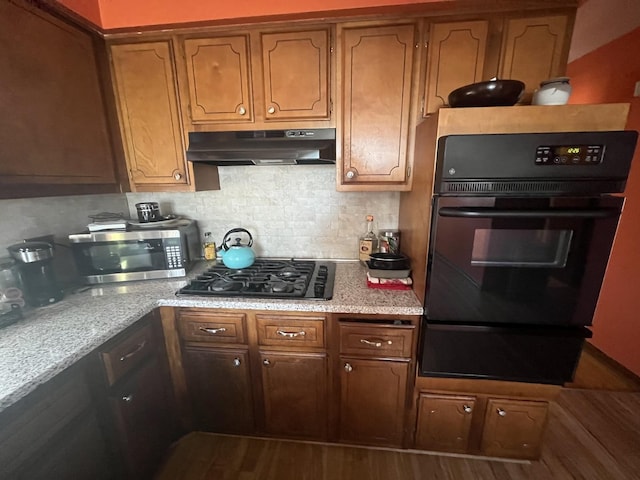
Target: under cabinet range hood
263 147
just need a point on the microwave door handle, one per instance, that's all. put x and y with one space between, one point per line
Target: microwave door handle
485 212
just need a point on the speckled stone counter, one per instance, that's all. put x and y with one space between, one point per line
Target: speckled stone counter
52 338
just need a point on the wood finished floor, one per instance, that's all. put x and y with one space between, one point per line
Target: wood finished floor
592 435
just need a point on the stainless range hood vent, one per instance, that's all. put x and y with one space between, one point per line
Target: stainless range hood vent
263 147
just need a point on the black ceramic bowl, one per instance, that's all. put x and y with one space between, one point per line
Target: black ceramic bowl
493 93
388 261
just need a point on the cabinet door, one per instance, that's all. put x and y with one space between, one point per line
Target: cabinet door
444 422
456 58
80 454
514 428
295 394
144 419
53 128
296 75
219 384
534 49
372 401
376 65
219 79
54 433
148 107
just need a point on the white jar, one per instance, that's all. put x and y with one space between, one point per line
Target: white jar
555 91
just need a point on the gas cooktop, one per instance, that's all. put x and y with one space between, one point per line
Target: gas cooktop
267 278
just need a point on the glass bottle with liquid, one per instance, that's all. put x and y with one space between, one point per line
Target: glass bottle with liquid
209 247
368 242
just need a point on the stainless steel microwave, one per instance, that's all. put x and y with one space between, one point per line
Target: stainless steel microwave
143 254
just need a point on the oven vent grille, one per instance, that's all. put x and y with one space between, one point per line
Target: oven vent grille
535 187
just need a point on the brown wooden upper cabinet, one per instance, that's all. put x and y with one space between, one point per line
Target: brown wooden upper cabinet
260 77
375 80
529 49
54 133
219 79
148 108
456 57
534 49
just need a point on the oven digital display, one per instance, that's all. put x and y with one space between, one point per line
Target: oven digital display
569 154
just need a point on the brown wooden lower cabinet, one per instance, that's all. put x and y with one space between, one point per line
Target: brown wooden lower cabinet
54 433
372 401
347 379
294 387
219 382
498 427
514 428
143 419
131 388
444 422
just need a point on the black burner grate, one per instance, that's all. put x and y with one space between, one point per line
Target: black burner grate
267 279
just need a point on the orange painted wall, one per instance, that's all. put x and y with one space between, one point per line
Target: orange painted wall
125 13
608 75
89 9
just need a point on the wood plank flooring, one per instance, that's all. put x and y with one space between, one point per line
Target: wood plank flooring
592 435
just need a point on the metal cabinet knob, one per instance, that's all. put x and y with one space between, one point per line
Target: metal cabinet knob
348 368
266 361
242 110
467 409
236 362
501 412
351 174
127 398
177 175
271 110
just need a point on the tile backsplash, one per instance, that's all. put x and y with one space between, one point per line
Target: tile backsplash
57 216
291 211
60 216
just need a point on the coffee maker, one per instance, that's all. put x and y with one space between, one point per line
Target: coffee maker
35 264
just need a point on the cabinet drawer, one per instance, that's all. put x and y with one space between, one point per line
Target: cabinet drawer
376 341
290 331
217 328
128 353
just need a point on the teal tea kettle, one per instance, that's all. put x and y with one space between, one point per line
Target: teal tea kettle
237 255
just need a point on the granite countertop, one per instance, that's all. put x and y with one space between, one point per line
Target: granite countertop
52 338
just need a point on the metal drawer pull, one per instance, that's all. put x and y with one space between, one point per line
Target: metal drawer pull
501 412
213 331
139 347
376 342
301 333
467 409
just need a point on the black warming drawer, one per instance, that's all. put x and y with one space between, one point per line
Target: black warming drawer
524 354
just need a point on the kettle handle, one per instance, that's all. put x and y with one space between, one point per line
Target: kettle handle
236 230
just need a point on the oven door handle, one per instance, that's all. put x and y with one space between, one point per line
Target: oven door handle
487 212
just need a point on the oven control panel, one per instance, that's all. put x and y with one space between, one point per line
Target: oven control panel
569 154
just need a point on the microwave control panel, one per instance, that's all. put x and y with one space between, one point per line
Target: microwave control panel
569 154
173 253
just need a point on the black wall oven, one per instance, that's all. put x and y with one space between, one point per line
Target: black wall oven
522 228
